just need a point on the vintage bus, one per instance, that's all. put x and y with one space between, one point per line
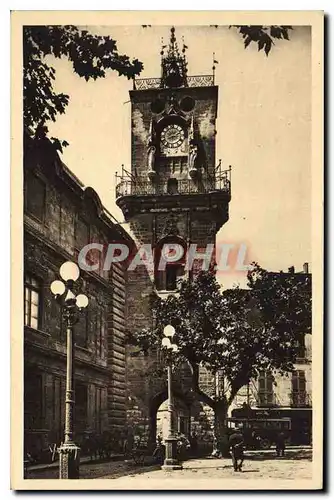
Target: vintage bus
261 433
295 422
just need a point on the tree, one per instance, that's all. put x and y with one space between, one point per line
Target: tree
91 56
238 332
262 35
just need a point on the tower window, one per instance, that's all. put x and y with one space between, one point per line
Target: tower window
187 104
172 186
157 106
171 277
170 271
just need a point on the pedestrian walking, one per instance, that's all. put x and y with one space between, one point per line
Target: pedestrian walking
236 444
280 444
159 451
193 443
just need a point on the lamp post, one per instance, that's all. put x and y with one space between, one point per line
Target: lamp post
171 462
69 452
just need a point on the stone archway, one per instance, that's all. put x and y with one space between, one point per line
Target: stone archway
157 400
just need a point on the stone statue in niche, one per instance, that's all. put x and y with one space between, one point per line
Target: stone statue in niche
151 151
151 157
193 152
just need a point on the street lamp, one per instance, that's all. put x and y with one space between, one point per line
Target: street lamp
171 461
69 452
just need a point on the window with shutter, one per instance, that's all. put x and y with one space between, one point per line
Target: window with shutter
301 346
298 385
265 389
98 409
81 330
99 331
35 196
33 399
81 404
32 302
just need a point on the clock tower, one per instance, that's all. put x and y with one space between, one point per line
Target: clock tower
175 190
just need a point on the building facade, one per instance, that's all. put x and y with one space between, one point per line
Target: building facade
60 218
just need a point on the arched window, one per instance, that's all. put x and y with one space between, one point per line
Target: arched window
169 261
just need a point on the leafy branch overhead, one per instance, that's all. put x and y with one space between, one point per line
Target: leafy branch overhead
263 35
91 56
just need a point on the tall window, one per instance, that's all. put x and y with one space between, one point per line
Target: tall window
300 344
298 385
266 389
81 330
33 399
100 332
32 302
35 196
58 401
172 186
98 409
81 406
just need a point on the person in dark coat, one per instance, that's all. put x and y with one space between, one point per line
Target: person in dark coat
280 444
236 444
193 443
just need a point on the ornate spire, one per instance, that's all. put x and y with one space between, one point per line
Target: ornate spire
173 64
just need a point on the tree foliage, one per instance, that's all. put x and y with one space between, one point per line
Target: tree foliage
239 332
91 56
263 36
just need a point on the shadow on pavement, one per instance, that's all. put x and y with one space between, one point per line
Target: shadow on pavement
301 455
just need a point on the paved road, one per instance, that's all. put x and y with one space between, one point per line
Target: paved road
297 464
213 473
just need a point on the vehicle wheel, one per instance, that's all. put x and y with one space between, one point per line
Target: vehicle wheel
265 444
139 459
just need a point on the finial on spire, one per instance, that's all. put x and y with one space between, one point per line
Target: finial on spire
162 46
173 64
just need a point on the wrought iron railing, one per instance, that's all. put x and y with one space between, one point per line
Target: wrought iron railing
141 186
300 398
156 83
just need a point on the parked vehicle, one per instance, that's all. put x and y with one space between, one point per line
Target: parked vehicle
260 433
300 431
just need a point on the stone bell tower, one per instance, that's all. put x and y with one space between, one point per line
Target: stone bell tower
174 191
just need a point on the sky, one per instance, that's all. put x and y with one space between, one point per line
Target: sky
263 132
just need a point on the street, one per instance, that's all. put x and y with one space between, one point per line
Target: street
296 465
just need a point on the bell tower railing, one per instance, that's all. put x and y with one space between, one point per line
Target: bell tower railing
128 185
157 83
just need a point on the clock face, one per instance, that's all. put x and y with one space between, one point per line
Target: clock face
172 136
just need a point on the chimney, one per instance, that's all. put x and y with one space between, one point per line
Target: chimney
291 269
305 268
